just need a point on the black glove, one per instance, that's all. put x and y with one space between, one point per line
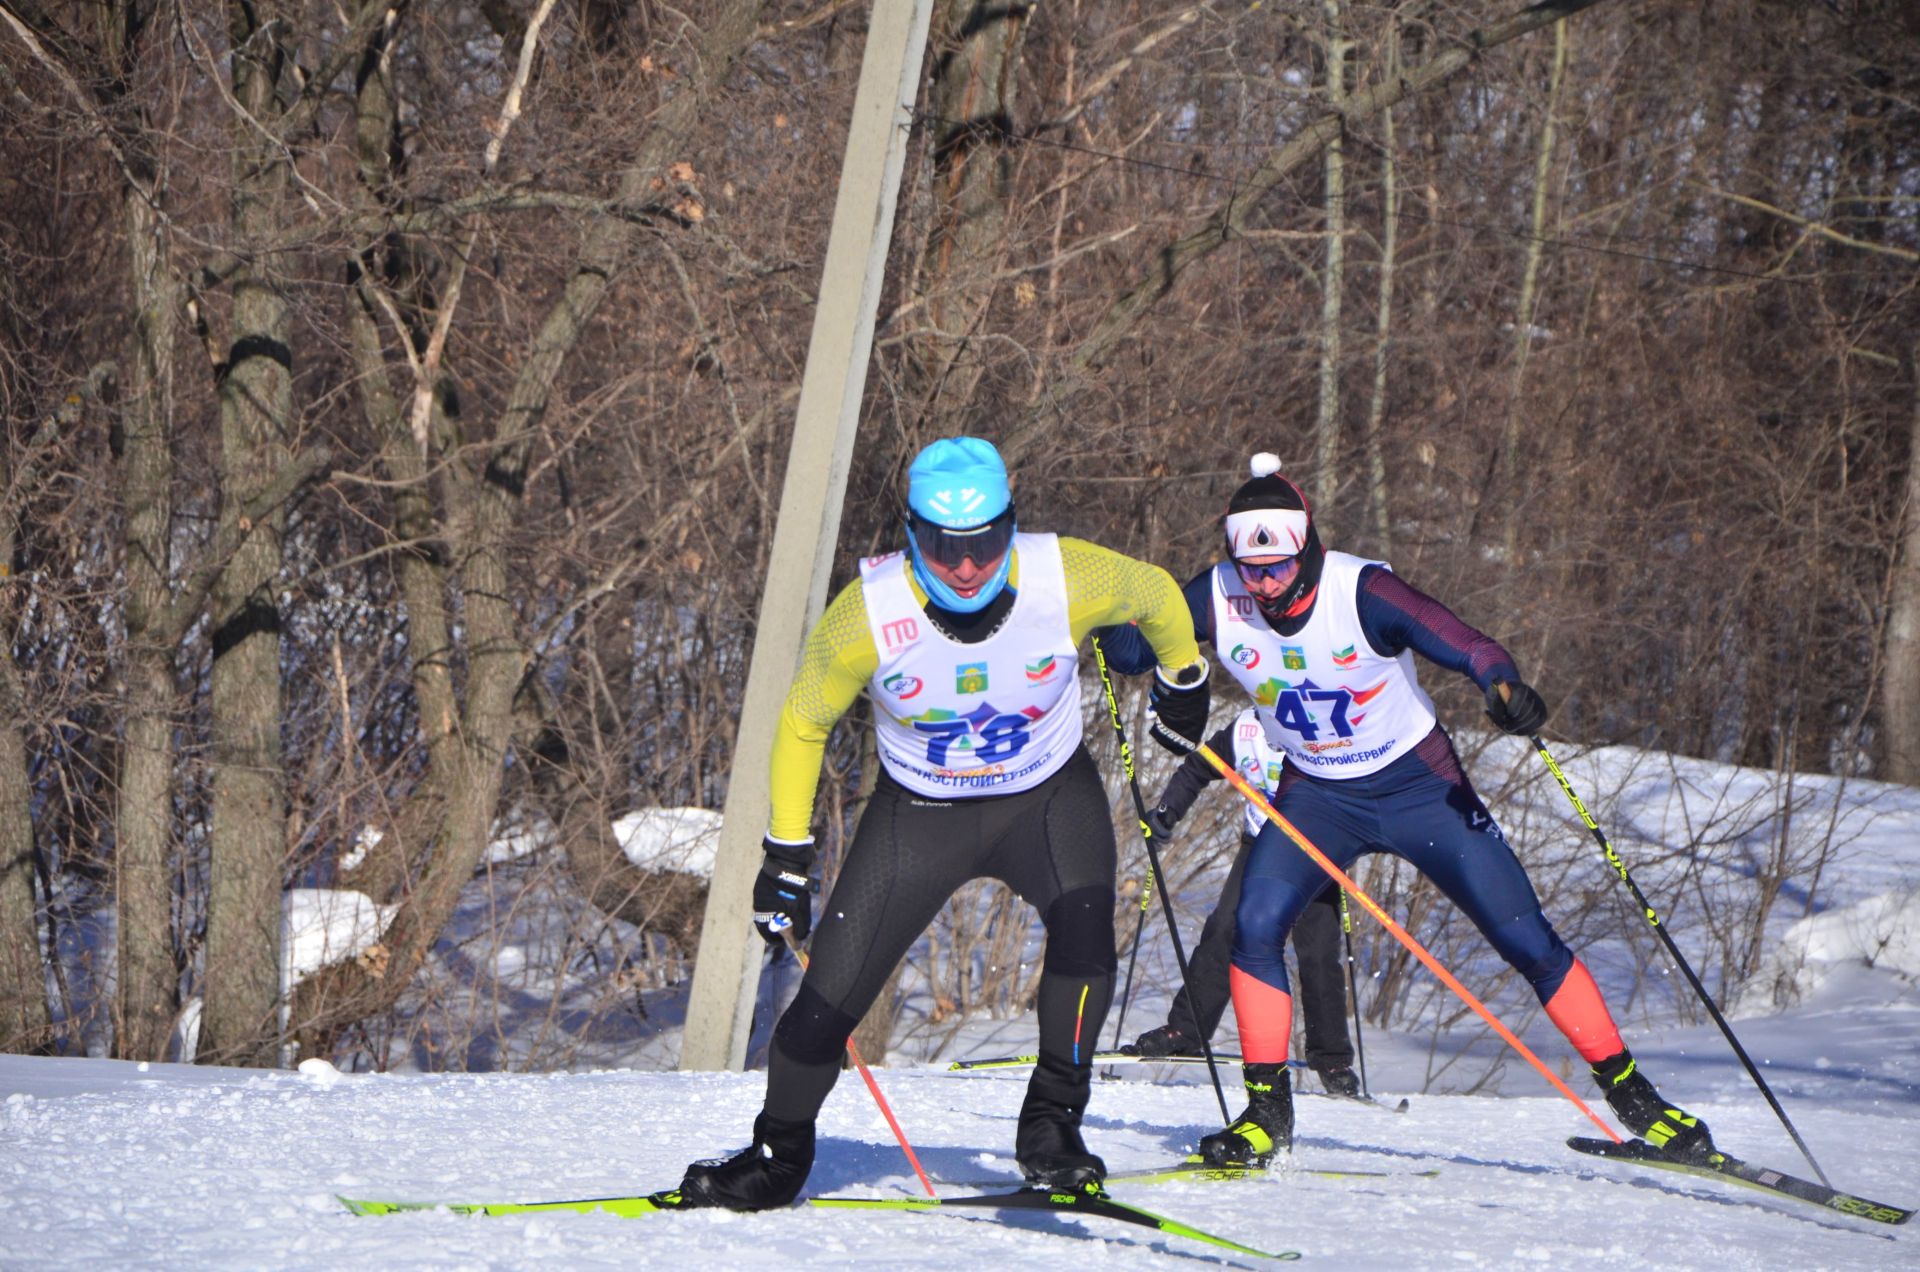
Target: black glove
1179 711
1519 709
783 894
1160 823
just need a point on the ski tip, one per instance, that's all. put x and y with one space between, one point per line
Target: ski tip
360 1206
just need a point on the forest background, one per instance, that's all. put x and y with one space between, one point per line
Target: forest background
397 395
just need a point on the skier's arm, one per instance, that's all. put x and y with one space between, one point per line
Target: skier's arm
839 660
1193 776
1128 651
1106 589
1396 615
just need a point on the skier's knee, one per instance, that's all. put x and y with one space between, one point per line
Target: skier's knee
813 1030
1266 912
1544 964
1080 933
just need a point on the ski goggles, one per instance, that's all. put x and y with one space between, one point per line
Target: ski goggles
1281 571
985 543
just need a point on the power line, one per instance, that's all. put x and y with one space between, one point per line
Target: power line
1234 184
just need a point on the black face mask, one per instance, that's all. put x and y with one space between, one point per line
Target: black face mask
985 544
1312 559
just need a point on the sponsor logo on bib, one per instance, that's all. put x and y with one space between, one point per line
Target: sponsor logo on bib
1038 672
970 678
1345 657
901 631
1293 658
902 686
1246 655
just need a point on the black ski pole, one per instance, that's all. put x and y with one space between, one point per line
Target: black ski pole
1353 992
1653 919
1133 953
1153 864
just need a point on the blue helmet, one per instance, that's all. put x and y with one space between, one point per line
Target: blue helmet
959 506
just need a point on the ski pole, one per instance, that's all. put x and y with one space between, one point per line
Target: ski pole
1399 933
886 1110
1133 955
1353 992
1153 864
1686 969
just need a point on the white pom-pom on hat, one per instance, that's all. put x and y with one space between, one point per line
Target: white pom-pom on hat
1265 464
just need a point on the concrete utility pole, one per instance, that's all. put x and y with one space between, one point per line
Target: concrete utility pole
720 1010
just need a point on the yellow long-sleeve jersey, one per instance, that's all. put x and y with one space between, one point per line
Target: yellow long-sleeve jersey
1103 588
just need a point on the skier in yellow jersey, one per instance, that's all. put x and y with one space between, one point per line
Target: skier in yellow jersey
966 642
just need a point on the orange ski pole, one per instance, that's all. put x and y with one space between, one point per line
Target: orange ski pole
1400 934
886 1110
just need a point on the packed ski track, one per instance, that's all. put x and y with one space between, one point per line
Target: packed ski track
111 1164
106 1163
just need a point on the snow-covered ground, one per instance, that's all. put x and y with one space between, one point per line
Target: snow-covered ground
106 1163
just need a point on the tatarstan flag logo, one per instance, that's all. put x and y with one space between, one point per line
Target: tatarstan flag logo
1039 671
1345 657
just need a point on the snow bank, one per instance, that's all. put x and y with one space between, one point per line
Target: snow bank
319 926
682 839
1880 931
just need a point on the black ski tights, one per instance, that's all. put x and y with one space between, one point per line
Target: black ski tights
1053 845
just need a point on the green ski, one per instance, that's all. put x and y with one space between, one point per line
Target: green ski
625 1207
1089 1201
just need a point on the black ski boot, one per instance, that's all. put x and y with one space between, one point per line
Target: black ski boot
1167 1040
1673 1131
1264 1129
1340 1079
765 1176
1048 1146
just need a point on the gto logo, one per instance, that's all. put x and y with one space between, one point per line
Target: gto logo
1239 609
901 631
874 563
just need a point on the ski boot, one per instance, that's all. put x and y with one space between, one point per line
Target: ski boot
1167 1040
1341 1080
1264 1129
767 1175
1048 1146
1643 1111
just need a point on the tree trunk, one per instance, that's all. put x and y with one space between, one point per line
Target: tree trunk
1383 321
1900 712
24 1021
1524 311
248 838
976 46
1326 476
147 979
